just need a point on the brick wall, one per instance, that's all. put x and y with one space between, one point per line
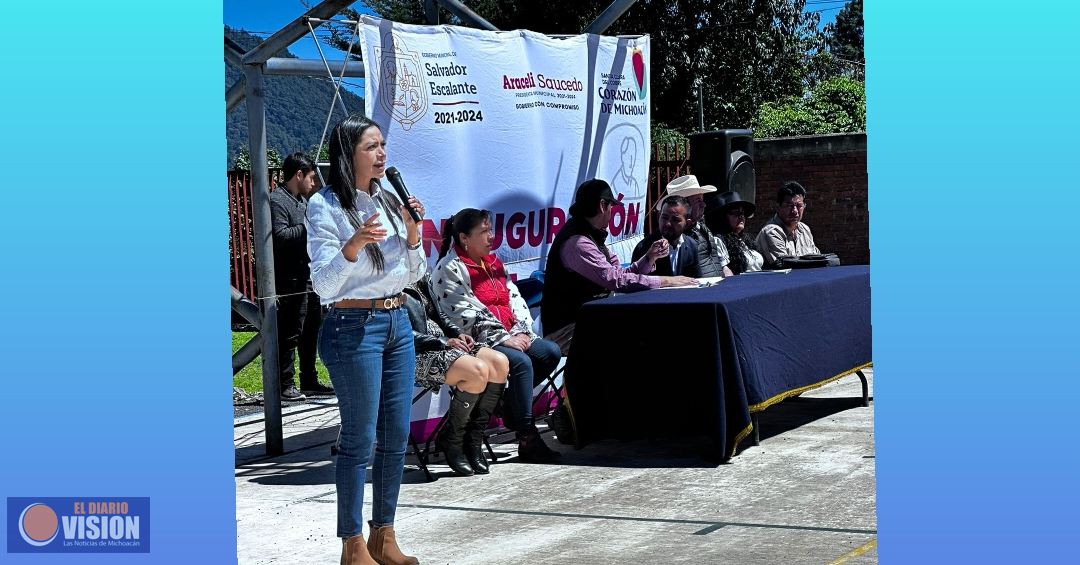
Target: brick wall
833 170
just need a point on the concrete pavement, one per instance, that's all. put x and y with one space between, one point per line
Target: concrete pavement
805 495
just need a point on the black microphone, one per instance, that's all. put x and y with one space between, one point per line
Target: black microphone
394 177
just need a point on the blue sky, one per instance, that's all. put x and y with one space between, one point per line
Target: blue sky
827 8
270 15
264 17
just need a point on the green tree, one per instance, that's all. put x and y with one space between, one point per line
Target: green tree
845 38
663 135
322 156
837 105
243 159
741 53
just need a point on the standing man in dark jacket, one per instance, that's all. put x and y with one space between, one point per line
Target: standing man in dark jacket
299 315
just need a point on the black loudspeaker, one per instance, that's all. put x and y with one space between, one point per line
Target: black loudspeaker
724 159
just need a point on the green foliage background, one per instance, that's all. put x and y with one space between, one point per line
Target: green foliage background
837 105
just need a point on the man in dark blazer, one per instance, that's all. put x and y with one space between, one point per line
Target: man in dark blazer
299 314
682 256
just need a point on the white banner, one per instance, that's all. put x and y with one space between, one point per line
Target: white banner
511 122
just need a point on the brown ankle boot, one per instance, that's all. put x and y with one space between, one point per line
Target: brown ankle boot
384 549
355 552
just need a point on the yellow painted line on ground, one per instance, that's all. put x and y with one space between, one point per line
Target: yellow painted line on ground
868 546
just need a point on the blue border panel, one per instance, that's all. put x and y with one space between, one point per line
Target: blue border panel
972 127
114 322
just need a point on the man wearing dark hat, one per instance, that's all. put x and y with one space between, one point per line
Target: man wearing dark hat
785 234
580 268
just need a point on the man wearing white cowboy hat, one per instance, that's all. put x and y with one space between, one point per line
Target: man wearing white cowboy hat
713 256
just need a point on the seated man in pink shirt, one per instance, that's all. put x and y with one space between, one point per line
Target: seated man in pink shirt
580 268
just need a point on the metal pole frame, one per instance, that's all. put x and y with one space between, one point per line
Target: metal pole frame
246 354
250 312
294 30
609 15
234 53
274 44
431 12
462 11
264 258
312 67
235 94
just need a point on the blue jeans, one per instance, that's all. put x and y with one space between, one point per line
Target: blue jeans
371 360
527 369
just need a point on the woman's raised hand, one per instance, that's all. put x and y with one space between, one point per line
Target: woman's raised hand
370 232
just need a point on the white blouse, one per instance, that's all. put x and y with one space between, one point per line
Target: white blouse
336 278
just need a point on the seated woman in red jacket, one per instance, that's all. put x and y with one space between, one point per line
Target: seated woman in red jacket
474 292
444 355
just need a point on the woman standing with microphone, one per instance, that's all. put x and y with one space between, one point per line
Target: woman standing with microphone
365 249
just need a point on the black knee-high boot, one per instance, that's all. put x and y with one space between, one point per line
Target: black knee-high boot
474 434
453 433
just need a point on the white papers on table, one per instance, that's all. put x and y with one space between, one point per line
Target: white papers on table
701 283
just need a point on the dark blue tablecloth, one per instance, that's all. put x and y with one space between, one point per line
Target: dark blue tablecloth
698 361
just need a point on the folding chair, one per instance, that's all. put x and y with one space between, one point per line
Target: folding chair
423 457
532 291
556 389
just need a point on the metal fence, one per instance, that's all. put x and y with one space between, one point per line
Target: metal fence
669 161
242 232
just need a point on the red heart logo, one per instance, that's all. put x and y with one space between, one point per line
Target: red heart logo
639 68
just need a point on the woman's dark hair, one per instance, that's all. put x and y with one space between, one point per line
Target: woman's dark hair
464 221
343 141
737 244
